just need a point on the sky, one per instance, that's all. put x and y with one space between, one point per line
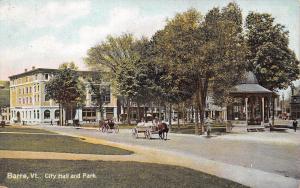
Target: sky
46 33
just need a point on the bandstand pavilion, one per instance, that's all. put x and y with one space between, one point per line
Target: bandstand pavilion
252 104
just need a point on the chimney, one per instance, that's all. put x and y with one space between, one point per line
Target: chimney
33 67
25 70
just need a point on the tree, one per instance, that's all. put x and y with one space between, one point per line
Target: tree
99 90
196 55
65 88
119 56
221 60
273 62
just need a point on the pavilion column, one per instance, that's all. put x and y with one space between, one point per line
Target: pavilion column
263 109
246 106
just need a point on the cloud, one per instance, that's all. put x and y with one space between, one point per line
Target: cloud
49 51
123 20
52 14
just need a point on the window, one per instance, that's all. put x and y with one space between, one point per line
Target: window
34 115
27 100
20 101
56 113
20 91
26 89
47 114
23 100
30 100
34 88
46 76
30 90
38 114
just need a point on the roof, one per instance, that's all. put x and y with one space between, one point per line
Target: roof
250 78
250 86
39 70
30 72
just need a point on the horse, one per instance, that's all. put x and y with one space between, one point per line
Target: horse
162 129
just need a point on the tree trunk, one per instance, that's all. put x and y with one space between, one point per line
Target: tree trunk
203 85
197 120
60 114
159 115
165 112
151 106
138 111
178 110
193 117
128 112
183 114
145 113
170 117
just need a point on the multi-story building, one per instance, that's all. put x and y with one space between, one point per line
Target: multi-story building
4 101
29 104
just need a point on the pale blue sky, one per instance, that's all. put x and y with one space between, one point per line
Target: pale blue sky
46 33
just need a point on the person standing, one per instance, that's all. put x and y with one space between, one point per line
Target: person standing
295 124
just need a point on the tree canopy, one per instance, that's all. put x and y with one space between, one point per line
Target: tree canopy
269 57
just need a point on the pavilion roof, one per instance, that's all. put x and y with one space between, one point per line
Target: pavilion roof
250 88
250 85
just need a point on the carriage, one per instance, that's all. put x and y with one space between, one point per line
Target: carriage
109 126
148 130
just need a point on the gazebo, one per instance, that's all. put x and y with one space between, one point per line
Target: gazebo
252 102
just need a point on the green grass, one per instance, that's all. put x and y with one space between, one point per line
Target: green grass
54 143
23 129
108 174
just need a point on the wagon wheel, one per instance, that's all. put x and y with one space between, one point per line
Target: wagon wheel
148 134
103 128
116 127
133 132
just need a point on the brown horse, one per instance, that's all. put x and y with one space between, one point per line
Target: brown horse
162 129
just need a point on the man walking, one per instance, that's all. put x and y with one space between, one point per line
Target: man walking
295 124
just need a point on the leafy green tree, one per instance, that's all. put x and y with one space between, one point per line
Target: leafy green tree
221 61
270 58
99 89
65 88
197 55
120 56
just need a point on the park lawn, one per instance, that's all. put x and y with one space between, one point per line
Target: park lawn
23 129
107 174
55 143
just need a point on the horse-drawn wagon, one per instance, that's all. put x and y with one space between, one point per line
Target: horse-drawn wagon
109 126
149 129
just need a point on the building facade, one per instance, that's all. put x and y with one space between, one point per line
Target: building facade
4 101
295 106
29 105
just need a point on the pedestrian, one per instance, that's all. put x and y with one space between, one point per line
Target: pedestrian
295 124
